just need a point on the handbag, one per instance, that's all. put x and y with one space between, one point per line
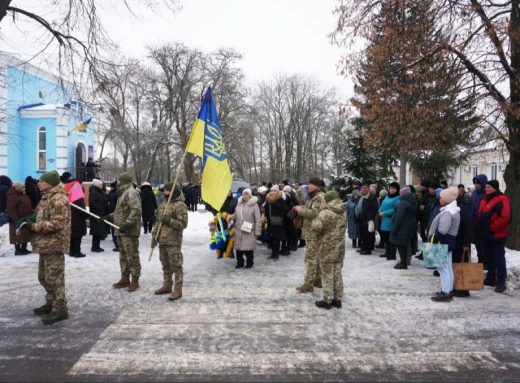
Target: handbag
298 222
435 254
246 226
468 275
275 221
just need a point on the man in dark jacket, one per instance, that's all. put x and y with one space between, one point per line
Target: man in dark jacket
148 206
112 202
97 202
479 182
493 218
31 190
422 208
366 210
404 226
464 237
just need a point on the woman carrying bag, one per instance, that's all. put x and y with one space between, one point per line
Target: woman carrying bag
248 226
444 229
18 206
275 210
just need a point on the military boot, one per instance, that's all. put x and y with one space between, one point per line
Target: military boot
323 305
54 317
134 285
305 288
336 303
175 295
123 282
318 284
163 290
45 309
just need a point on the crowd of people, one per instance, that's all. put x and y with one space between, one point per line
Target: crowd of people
284 217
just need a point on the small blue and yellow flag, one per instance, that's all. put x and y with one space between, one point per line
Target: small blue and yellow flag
206 141
82 127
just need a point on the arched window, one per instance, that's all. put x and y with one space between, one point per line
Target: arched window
42 149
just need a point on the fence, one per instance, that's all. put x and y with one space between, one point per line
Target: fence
87 173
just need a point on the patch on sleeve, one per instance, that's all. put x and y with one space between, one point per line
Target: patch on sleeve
58 210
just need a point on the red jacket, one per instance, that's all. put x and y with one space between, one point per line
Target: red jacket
493 216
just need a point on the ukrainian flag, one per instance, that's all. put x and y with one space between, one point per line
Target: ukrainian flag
206 141
82 127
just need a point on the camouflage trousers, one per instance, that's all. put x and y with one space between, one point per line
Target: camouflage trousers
312 263
129 255
172 261
332 280
51 274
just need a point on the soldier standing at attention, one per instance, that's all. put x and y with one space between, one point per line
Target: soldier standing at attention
309 212
174 221
330 226
50 238
128 217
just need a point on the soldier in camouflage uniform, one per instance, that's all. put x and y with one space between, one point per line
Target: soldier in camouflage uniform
330 227
128 217
50 238
174 221
309 212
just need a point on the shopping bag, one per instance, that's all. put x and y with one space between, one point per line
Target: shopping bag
435 254
468 275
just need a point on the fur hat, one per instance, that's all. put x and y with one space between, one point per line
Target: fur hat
52 178
248 192
405 190
287 189
125 178
275 188
97 182
493 183
331 195
449 195
18 186
315 181
262 189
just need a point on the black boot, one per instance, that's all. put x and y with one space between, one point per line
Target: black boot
24 249
77 249
336 303
354 243
323 305
303 243
17 250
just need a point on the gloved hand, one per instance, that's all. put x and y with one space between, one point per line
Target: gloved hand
19 223
165 220
28 224
106 218
371 227
124 228
154 243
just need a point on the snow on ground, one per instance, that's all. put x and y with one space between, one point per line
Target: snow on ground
253 322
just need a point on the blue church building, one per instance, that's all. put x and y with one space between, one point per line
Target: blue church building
37 120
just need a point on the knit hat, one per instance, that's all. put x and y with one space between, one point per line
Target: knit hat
65 177
248 192
18 186
315 181
168 186
395 185
425 183
434 185
97 182
113 185
354 193
493 183
331 195
449 195
125 178
275 188
383 193
405 190
52 177
262 189
287 189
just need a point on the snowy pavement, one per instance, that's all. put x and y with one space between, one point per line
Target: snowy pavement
250 325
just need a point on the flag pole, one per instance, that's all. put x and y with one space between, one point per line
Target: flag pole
94 215
169 200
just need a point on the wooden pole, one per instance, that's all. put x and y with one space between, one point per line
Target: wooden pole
93 215
168 203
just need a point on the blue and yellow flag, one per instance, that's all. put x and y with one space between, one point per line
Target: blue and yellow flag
82 127
206 141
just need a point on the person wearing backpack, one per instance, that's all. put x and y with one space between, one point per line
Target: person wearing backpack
492 224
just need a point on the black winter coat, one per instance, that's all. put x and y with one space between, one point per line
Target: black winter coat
78 220
97 201
369 209
32 191
112 201
276 206
465 234
5 184
148 203
404 221
230 205
422 216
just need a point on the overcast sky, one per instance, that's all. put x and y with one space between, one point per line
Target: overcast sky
288 36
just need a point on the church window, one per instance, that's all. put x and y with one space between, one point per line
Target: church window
42 149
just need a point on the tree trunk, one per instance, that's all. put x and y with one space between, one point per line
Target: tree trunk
402 170
512 180
189 167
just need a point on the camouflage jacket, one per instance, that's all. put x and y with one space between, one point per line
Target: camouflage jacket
310 211
128 210
51 232
171 234
330 227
